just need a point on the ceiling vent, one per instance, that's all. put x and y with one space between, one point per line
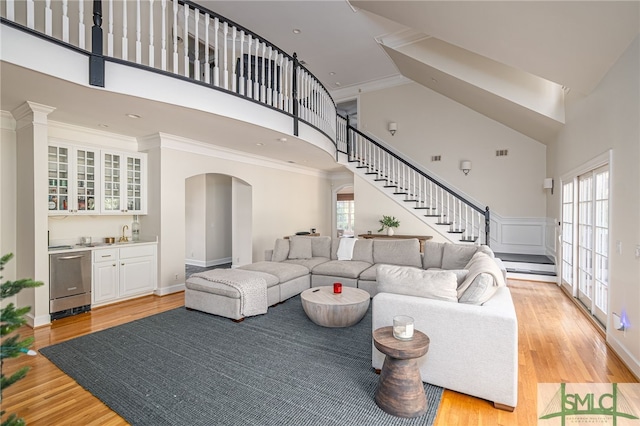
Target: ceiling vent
502 153
436 158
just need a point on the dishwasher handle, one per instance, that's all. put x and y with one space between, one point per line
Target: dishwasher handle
70 257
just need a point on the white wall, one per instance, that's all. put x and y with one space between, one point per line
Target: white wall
430 124
8 195
371 204
609 119
195 212
285 199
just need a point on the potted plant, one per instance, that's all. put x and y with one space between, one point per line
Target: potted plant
388 223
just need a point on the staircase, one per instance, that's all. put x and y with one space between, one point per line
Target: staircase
441 208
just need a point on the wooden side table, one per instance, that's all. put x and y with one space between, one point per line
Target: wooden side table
400 390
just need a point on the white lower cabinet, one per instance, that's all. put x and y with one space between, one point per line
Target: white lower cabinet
121 273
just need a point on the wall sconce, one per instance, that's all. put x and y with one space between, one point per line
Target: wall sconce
465 166
548 184
393 128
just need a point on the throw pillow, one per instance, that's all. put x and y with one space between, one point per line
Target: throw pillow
300 248
456 256
280 250
439 285
480 290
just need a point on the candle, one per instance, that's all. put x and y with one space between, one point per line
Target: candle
403 327
337 288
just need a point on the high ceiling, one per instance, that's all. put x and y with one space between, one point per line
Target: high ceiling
569 44
450 47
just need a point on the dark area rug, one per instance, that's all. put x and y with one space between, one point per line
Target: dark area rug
185 367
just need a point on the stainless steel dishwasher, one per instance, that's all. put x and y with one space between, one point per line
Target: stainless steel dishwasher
69 283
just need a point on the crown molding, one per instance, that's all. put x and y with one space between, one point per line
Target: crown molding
100 133
7 122
350 92
31 113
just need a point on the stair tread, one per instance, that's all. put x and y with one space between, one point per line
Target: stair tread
424 208
525 258
531 271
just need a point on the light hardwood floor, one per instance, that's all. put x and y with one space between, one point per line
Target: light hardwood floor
556 344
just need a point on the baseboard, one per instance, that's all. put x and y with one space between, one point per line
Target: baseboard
38 321
207 263
163 291
621 352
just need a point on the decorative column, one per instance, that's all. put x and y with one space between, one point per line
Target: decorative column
32 257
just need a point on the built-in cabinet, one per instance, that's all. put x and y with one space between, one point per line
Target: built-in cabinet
91 181
123 183
121 273
73 180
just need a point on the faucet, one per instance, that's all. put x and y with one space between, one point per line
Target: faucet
124 238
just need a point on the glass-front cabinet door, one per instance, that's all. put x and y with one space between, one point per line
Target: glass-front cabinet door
124 183
73 180
111 164
59 191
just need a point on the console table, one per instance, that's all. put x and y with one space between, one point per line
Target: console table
420 238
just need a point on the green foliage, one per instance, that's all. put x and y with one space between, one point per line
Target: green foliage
11 318
388 222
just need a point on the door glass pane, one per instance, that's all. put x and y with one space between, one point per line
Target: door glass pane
567 233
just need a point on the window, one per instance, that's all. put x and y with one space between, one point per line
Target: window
345 214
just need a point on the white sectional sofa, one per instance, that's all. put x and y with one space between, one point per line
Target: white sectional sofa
456 294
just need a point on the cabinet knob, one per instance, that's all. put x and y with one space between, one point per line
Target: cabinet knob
113 265
122 264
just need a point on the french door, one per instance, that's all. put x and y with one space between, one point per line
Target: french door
585 239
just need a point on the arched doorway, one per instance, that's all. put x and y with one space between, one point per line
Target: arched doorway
217 222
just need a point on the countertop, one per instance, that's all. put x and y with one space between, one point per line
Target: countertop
70 248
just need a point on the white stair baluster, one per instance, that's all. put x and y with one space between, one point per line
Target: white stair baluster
138 34
207 59
152 52
225 52
241 79
175 36
81 28
163 36
65 18
269 77
196 45
256 73
234 70
125 41
31 16
216 52
48 16
11 10
249 71
110 30
185 40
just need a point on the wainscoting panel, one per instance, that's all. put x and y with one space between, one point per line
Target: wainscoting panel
520 235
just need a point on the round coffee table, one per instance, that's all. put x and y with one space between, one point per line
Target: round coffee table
400 390
328 309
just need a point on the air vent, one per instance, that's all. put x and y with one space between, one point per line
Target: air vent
436 158
502 153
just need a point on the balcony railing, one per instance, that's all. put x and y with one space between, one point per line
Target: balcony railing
182 39
187 40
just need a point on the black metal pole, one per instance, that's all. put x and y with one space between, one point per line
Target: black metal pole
348 139
294 93
487 225
96 59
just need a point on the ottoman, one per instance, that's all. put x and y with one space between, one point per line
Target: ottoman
225 292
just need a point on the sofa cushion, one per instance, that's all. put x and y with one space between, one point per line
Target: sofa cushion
369 274
300 248
280 250
308 263
341 268
321 247
397 252
481 263
480 290
432 257
456 256
202 284
439 285
363 251
283 271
